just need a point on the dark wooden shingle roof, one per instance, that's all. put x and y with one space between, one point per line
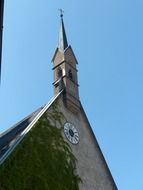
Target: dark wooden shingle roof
10 136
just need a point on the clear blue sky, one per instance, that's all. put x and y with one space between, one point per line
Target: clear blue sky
107 38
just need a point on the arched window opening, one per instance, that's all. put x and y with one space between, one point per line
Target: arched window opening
70 75
59 72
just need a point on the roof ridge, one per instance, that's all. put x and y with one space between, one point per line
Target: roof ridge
15 125
28 128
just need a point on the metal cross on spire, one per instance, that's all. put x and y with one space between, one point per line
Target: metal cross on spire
63 43
61 11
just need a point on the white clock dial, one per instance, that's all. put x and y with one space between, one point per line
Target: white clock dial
71 133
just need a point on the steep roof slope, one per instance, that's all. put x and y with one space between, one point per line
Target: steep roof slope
10 138
43 159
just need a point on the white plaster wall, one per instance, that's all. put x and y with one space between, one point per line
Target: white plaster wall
91 166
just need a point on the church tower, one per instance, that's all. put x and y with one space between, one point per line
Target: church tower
91 164
65 71
54 148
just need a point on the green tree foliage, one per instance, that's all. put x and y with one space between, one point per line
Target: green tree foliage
42 161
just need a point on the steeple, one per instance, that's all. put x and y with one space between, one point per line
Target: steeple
65 71
63 43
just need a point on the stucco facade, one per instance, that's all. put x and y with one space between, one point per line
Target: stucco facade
91 165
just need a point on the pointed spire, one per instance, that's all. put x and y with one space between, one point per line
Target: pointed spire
63 43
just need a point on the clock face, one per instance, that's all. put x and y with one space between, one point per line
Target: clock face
71 133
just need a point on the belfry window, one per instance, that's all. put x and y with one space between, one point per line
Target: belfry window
70 75
59 73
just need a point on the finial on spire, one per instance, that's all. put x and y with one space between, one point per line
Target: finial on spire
63 43
61 11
